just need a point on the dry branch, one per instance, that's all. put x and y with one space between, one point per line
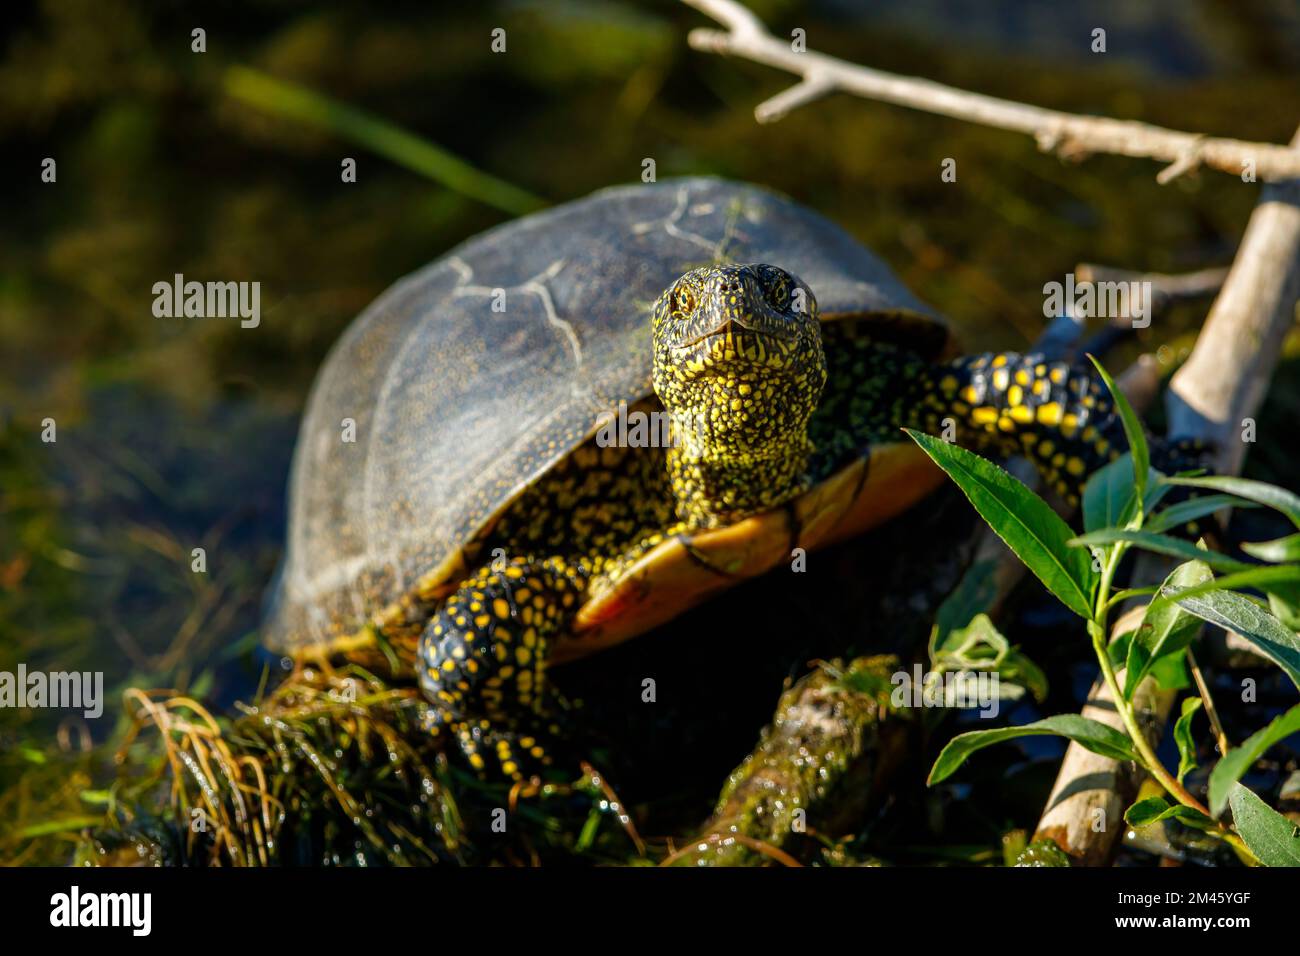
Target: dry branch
1067 134
1166 290
1223 381
819 766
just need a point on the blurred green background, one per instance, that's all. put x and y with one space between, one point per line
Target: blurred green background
176 433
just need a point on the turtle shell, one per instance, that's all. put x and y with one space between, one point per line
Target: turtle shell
467 380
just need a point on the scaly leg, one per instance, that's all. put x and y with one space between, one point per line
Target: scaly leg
1059 416
482 658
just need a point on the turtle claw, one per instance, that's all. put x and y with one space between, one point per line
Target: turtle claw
492 751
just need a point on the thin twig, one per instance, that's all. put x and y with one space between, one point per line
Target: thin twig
1067 134
1166 290
1212 712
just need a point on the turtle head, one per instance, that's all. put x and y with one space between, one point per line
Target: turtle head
722 327
738 364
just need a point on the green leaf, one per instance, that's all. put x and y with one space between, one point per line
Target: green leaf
1117 650
1184 512
1257 577
1266 494
1285 602
1276 551
1273 838
1091 734
1019 669
1166 628
1161 544
1108 499
978 643
976 591
1137 439
1156 491
1023 520
1183 737
1118 597
979 646
1230 610
1148 811
1154 809
1234 764
1280 582
1170 672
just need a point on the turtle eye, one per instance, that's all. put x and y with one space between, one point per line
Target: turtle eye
776 288
683 301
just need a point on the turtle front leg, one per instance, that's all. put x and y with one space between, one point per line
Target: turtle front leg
1059 416
482 659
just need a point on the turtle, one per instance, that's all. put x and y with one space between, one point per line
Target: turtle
573 427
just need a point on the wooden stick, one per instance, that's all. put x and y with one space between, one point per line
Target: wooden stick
1227 375
1067 134
1166 290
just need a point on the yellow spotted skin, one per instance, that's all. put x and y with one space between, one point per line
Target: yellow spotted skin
766 401
738 361
483 653
1058 416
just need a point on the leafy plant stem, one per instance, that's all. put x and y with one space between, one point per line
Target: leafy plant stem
1150 762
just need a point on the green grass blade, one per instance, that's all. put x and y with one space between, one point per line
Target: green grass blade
50 827
379 136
